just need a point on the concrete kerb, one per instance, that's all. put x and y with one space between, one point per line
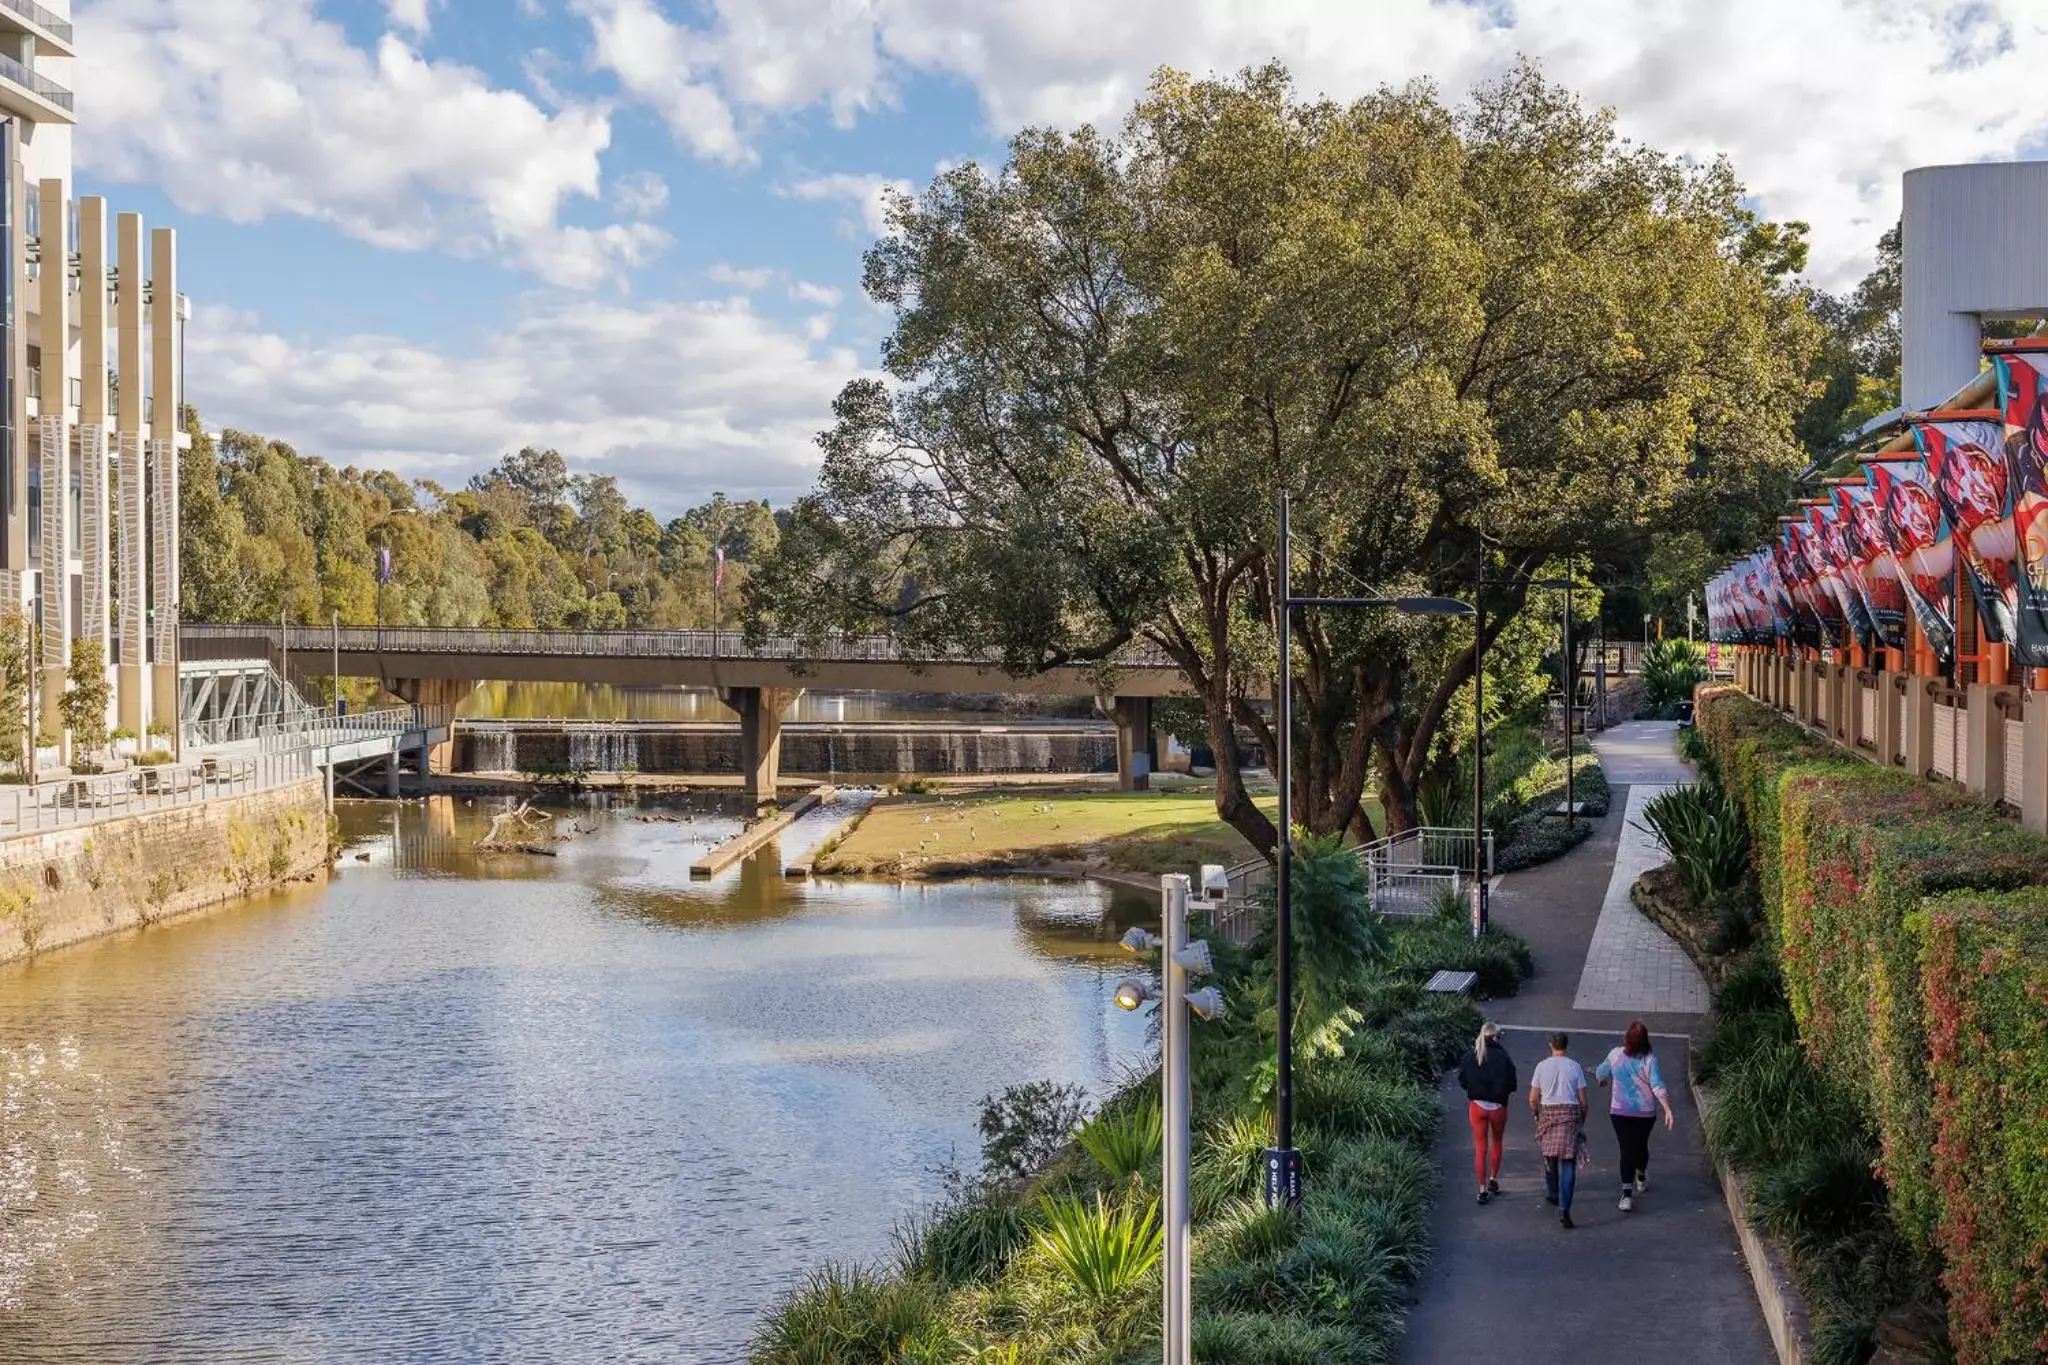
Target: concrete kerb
1785 1312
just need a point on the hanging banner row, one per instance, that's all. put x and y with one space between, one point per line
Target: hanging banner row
1966 510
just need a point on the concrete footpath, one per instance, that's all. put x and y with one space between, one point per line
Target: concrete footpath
1666 1283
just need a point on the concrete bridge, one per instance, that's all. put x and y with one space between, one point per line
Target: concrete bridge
439 666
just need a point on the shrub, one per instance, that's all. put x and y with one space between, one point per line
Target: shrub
1124 1141
1340 1098
846 1316
1025 1126
1775 1104
1702 829
1671 670
968 1241
1102 1249
1501 960
1986 992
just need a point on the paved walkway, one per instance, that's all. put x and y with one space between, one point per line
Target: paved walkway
1666 1283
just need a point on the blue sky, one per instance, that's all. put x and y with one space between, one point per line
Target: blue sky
421 232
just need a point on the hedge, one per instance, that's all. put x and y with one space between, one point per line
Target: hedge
1845 854
1985 979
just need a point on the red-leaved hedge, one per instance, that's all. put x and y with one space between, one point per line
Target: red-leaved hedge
1847 855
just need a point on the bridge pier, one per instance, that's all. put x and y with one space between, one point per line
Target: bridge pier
760 711
1137 743
448 692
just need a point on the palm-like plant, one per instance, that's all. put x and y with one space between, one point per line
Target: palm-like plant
1671 670
1702 827
1102 1249
1125 1142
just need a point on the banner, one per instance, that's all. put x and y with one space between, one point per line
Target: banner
1808 611
1966 463
1787 623
2022 379
1877 573
1825 549
1917 535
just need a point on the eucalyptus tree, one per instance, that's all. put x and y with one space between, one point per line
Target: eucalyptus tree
1110 356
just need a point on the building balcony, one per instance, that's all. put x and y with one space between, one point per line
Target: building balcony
51 32
28 95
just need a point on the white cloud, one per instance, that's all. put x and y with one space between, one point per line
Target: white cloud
823 295
748 279
254 108
640 194
659 63
676 399
867 193
410 15
1821 104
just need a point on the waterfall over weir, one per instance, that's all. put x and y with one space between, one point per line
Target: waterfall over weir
811 749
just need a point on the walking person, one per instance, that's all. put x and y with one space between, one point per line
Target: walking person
1557 1096
1638 1094
1487 1076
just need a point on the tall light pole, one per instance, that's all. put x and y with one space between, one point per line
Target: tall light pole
1283 1159
1180 961
1479 893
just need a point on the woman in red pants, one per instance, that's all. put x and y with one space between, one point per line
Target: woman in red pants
1487 1075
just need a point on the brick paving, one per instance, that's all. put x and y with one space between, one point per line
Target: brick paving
1631 964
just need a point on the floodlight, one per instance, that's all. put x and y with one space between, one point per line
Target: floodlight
1207 1003
1132 992
1136 940
1195 959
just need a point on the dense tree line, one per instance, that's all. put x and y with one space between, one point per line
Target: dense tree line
268 531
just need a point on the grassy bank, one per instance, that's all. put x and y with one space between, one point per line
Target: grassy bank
1006 830
1050 1250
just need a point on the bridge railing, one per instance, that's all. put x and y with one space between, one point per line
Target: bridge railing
311 642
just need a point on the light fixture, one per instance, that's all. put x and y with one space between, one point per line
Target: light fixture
1195 959
1132 992
1136 940
1207 1003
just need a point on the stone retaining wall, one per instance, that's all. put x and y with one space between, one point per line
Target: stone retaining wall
64 886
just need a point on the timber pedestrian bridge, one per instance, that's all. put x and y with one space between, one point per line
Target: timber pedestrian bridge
439 666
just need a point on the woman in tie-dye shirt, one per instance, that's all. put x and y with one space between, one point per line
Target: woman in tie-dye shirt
1638 1094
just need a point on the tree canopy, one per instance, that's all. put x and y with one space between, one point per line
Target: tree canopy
267 531
1109 357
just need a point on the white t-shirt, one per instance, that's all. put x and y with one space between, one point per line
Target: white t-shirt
1559 1080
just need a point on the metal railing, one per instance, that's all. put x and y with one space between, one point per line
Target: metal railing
644 644
206 734
41 18
1405 873
36 84
72 801
276 731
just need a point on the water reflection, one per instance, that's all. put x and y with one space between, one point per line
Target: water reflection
458 1107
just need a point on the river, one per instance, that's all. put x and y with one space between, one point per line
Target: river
455 1107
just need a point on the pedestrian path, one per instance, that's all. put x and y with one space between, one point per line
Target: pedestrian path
1665 1283
1632 965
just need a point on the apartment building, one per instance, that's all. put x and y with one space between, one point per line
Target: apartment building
90 348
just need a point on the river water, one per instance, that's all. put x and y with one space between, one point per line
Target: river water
456 1107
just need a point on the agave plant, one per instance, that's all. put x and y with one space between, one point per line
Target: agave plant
1125 1142
1102 1249
1671 670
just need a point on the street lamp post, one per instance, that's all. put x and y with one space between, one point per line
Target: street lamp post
1283 1159
1179 961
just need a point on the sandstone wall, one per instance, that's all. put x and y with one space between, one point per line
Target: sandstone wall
63 886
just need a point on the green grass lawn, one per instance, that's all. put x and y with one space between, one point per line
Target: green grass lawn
998 829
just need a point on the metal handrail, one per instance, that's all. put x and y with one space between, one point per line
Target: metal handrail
71 801
656 644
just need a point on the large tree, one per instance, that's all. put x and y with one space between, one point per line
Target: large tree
1109 358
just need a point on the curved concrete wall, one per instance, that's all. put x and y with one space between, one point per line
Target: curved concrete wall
1976 245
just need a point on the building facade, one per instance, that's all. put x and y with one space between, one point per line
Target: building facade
91 326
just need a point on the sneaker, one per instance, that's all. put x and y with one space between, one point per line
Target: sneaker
1642 1182
1485 1198
1564 1220
1493 1188
1628 1203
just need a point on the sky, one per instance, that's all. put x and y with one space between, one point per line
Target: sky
421 233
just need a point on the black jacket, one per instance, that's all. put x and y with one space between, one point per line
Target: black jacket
1492 1080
